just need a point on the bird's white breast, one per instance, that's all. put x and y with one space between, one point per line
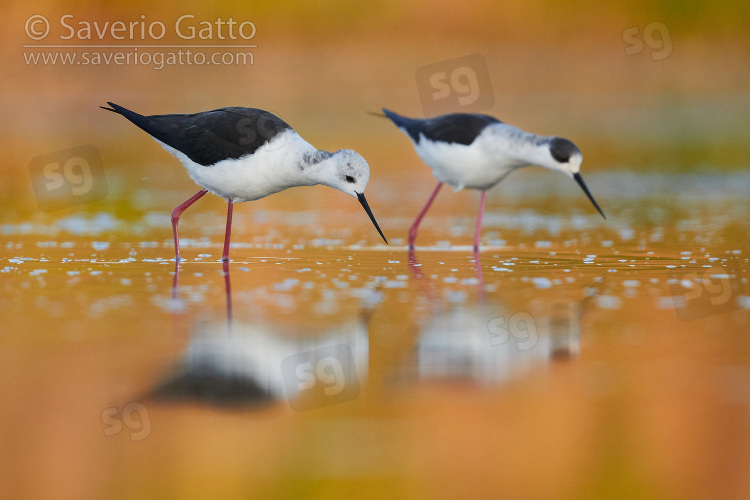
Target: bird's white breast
270 169
479 165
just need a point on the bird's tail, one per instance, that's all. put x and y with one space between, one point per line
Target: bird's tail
139 120
394 117
408 125
398 120
116 108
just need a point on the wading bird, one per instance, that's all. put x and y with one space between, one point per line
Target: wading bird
245 154
477 151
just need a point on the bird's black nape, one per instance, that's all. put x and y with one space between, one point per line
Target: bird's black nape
562 149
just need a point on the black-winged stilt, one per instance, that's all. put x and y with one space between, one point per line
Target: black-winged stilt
477 151
244 154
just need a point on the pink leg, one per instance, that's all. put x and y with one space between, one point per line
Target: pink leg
424 284
225 255
480 276
228 291
176 280
176 218
479 221
415 227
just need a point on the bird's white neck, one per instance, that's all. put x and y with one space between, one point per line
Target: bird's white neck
517 147
302 162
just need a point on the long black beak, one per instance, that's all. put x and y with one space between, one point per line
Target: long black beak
363 201
579 180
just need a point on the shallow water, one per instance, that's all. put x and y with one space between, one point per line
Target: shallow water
570 358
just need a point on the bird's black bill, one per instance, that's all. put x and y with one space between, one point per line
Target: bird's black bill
363 201
579 180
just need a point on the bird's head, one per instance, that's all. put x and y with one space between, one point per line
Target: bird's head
347 171
565 157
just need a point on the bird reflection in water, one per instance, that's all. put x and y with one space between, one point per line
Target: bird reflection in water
428 288
488 341
247 364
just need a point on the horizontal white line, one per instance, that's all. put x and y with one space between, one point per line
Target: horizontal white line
135 46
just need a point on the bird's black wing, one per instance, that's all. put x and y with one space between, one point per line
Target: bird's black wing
460 128
209 137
